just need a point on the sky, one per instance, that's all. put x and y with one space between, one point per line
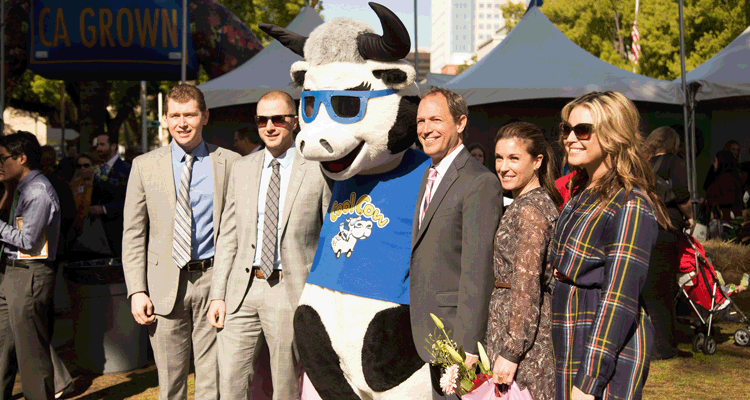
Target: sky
404 9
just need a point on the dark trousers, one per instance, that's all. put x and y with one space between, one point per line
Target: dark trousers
26 294
659 291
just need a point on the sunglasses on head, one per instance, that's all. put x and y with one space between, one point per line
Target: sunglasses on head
582 131
84 165
343 106
276 120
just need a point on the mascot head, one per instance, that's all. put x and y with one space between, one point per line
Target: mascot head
355 118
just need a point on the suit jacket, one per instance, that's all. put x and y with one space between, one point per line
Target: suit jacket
451 273
149 223
112 191
305 204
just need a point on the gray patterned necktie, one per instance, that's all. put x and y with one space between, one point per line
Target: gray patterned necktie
183 216
271 221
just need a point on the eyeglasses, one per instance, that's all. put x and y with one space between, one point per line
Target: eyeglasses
582 131
276 120
343 106
2 159
82 166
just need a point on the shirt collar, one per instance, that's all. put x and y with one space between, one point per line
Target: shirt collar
442 166
111 162
28 178
178 154
285 159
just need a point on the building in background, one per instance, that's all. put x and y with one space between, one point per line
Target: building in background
424 62
462 29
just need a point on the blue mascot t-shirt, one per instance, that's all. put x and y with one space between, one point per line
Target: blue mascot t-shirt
365 242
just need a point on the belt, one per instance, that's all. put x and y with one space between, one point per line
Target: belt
24 263
276 274
502 285
199 265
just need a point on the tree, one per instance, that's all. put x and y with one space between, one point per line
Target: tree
512 13
278 12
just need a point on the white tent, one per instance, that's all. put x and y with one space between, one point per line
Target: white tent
266 71
536 60
726 74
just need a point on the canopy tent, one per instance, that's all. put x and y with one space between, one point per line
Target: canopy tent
266 71
536 60
726 74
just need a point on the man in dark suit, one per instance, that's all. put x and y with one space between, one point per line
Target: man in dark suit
113 173
457 213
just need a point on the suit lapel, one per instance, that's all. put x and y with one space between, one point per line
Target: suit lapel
420 197
297 177
252 194
218 166
165 164
451 175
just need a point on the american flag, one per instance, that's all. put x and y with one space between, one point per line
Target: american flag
635 47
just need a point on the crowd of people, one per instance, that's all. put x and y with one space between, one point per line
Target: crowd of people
565 290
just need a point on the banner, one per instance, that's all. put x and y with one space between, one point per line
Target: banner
91 40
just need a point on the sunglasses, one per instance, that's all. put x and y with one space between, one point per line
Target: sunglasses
343 106
85 165
276 120
582 131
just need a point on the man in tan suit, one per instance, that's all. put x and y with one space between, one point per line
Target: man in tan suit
269 233
172 213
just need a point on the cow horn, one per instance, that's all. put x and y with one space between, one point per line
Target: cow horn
293 41
393 45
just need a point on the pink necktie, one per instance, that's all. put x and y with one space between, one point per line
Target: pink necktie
427 194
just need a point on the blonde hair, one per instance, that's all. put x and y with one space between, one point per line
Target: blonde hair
662 140
616 124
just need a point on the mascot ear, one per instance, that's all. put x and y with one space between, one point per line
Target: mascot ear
298 71
293 41
398 75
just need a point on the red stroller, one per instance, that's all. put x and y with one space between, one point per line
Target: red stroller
702 290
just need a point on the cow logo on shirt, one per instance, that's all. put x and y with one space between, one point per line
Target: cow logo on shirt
355 228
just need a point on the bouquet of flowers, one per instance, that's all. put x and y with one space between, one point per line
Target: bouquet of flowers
457 378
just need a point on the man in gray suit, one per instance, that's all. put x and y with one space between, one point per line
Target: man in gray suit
276 201
457 214
173 208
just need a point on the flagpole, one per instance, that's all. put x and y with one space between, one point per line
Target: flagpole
689 141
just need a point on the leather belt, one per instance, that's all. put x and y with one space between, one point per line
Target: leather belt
199 265
276 274
502 285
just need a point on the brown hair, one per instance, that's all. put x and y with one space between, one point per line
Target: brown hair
533 138
616 122
662 140
183 93
456 103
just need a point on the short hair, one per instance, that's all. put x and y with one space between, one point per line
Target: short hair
278 94
111 138
183 93
48 149
456 103
87 156
249 132
23 142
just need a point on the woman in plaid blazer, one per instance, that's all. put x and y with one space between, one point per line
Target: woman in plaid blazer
602 334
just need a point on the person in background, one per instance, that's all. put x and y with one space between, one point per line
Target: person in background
724 196
113 172
247 140
519 342
66 167
28 243
477 151
662 147
731 146
601 332
64 195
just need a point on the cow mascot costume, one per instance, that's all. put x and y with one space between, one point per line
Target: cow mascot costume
352 326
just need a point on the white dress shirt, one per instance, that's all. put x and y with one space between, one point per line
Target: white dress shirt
285 171
111 163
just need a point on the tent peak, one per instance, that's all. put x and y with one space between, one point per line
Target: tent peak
534 3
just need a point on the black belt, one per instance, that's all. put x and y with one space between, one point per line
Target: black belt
199 265
16 263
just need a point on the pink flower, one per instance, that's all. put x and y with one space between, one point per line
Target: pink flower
449 379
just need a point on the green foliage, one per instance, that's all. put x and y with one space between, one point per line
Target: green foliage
468 63
603 29
278 12
512 13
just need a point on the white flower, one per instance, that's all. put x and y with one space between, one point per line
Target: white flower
449 379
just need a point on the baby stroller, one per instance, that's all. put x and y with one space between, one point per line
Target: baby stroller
700 287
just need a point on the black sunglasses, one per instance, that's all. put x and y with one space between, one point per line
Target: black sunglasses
582 131
85 165
276 120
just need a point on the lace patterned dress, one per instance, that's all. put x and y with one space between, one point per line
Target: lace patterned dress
519 327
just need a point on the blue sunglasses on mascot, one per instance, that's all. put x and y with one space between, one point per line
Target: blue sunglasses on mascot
343 106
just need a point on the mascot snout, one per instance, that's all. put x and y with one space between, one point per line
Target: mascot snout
329 143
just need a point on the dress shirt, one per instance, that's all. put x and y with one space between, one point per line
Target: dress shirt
285 171
39 207
111 163
201 198
442 168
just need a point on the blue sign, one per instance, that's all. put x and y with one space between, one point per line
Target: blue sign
92 40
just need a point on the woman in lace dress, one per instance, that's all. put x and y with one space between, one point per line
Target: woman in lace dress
518 332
